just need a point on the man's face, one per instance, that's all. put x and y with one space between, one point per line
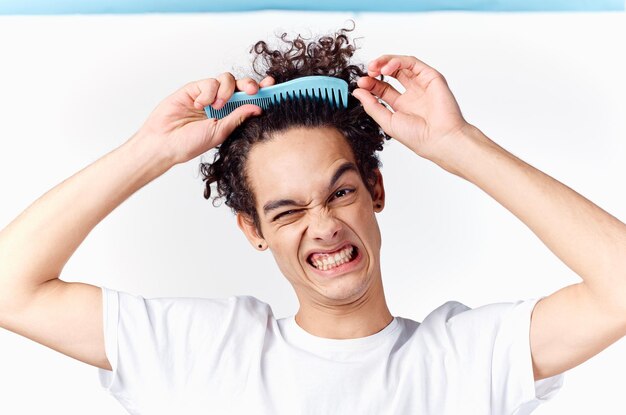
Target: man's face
316 214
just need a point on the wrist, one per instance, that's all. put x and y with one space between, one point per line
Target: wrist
458 152
146 150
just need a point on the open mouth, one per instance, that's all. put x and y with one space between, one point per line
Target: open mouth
329 260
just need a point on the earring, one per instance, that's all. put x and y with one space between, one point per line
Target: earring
260 246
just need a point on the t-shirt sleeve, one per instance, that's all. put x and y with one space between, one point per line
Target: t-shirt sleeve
491 345
160 349
512 360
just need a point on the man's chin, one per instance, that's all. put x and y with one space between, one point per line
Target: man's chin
346 291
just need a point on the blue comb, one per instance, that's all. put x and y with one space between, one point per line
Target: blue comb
333 90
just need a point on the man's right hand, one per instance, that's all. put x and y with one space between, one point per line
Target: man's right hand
179 127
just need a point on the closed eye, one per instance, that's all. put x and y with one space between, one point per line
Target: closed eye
341 193
286 213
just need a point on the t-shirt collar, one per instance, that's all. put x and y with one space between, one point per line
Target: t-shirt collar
297 336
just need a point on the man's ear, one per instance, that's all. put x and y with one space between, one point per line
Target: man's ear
378 195
247 226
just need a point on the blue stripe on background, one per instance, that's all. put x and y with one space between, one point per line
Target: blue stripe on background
188 6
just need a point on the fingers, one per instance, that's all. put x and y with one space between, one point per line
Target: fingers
202 92
381 89
226 89
217 91
251 87
267 81
388 64
248 85
375 109
239 115
404 69
236 118
212 91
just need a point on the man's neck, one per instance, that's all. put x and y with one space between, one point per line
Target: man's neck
364 318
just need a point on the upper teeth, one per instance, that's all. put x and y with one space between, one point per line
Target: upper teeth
328 261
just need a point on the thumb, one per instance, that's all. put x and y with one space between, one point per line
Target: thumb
236 118
406 126
374 109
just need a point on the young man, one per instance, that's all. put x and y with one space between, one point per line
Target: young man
343 352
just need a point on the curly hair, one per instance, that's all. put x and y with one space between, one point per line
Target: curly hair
329 56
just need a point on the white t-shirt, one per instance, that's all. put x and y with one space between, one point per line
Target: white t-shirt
232 356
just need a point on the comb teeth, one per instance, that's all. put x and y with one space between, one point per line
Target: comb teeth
327 88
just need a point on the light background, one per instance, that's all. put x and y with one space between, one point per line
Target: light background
549 87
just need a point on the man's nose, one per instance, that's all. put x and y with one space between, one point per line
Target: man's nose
325 227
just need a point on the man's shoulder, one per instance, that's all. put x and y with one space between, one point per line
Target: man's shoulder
235 307
452 311
445 312
455 319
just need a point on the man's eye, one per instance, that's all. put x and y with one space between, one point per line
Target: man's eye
285 213
342 193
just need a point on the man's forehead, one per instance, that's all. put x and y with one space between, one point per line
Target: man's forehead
296 184
297 164
305 194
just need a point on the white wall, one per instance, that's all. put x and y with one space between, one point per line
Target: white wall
548 87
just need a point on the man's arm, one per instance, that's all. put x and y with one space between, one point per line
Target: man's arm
35 247
579 321
573 324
